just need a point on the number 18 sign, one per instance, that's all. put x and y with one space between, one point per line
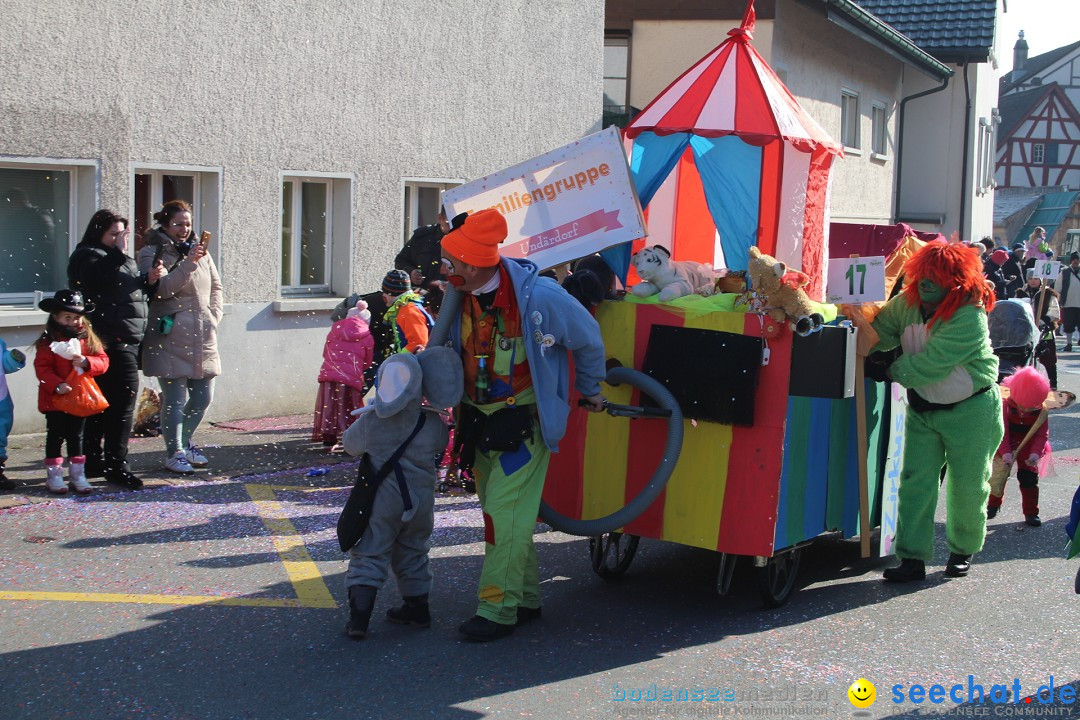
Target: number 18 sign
856 280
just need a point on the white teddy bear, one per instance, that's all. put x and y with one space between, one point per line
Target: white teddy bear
671 279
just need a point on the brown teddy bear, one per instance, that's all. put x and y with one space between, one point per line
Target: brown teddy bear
779 292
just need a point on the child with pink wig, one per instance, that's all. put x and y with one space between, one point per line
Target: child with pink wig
1027 435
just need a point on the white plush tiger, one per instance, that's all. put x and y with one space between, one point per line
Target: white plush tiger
671 279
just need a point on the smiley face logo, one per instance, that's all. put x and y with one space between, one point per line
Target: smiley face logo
862 693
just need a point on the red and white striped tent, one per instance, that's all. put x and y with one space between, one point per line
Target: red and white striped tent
726 158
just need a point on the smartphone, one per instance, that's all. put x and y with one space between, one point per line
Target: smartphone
204 239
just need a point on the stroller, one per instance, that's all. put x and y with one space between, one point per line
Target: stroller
1013 336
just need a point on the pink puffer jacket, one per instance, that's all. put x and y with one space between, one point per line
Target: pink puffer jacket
348 352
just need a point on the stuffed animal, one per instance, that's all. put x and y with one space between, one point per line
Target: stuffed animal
671 279
780 291
402 516
731 281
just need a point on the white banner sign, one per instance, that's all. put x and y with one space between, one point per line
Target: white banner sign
1047 269
856 280
562 205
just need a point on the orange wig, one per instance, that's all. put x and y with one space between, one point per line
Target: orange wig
953 266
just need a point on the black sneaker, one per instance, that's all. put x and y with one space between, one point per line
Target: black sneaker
908 570
6 483
414 611
992 511
95 467
1033 520
958 565
526 615
361 603
480 629
123 477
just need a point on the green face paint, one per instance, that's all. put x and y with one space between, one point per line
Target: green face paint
930 291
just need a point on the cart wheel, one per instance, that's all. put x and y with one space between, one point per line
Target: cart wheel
777 579
442 486
470 486
612 554
1076 584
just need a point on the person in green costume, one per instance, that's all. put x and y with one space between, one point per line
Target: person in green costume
954 418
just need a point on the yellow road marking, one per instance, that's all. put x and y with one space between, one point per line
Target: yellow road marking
307 581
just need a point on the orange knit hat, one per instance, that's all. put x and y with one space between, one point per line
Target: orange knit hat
476 241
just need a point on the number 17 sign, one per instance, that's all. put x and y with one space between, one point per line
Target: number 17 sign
856 280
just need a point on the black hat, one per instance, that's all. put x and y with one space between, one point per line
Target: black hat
396 282
1018 246
67 301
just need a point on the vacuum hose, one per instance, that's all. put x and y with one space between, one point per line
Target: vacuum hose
451 307
652 490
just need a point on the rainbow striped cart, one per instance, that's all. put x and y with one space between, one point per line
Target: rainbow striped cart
763 491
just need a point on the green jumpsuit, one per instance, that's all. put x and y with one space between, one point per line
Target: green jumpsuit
949 364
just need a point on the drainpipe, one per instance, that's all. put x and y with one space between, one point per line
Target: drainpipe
964 161
900 142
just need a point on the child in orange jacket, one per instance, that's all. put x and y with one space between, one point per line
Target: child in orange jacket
66 322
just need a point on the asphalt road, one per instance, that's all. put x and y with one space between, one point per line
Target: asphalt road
225 600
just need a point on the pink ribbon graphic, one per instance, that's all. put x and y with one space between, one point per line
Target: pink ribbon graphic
573 230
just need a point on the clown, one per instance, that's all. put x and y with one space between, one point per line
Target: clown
515 334
954 409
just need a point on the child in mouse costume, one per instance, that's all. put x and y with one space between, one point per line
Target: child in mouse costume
403 514
950 371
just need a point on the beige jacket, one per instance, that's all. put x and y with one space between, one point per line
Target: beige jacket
191 293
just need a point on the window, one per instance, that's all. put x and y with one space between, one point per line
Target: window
316 226
1038 153
155 185
849 119
879 116
616 63
423 198
44 207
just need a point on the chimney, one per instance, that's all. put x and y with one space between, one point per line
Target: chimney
1020 52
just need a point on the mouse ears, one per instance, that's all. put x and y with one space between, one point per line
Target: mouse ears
444 376
397 385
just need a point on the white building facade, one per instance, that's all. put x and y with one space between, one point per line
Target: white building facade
310 137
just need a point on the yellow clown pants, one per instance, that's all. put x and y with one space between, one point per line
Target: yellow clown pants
509 485
965 438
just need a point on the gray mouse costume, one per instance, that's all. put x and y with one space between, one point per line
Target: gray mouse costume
399 533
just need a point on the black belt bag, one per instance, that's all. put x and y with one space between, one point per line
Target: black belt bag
919 404
502 431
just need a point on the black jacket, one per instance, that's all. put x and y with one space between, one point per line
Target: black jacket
423 251
1013 273
111 280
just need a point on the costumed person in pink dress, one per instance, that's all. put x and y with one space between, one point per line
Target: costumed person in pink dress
1026 441
347 354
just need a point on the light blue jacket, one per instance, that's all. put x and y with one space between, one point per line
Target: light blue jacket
548 311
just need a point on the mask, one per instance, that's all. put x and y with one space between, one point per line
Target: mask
930 291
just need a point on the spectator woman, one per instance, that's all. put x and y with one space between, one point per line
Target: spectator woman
109 279
180 348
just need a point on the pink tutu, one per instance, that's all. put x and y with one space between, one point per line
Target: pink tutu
333 406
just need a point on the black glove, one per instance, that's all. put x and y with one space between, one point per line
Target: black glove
876 366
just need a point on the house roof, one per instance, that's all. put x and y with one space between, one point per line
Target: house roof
1005 206
950 31
1051 211
862 21
1015 107
1033 66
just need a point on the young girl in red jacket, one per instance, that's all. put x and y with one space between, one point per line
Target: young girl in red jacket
347 354
66 321
1022 411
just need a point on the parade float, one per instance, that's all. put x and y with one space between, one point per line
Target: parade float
751 429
